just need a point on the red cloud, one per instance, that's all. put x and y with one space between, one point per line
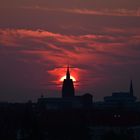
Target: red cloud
99 12
54 46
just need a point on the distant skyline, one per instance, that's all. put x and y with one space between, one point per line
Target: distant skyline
99 39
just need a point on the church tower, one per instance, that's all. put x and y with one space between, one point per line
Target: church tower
131 88
68 86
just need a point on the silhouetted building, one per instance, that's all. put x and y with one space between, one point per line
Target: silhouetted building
122 97
68 100
75 102
68 86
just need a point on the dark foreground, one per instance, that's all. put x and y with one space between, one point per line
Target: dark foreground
30 122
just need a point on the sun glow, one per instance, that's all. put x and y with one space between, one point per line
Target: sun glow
64 77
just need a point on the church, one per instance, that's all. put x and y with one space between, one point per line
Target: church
68 99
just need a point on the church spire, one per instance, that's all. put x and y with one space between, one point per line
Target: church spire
131 88
68 86
68 73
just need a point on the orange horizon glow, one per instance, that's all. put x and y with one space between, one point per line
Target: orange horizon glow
64 77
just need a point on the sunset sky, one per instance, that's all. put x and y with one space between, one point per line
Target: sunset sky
100 39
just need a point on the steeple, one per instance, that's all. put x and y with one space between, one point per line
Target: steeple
131 88
68 86
68 73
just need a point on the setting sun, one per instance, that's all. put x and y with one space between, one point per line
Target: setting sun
64 77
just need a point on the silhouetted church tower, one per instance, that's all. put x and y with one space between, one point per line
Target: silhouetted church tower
68 86
131 88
